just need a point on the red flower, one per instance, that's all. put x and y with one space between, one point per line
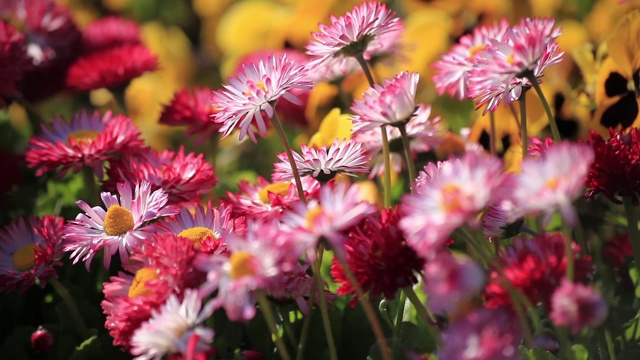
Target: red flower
110 32
535 266
192 108
53 42
13 60
183 176
110 68
164 266
379 257
615 171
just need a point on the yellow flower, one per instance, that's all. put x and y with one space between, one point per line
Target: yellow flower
334 126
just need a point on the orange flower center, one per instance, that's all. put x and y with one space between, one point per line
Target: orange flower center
242 264
83 136
312 215
24 258
118 220
552 183
280 188
510 59
138 287
475 49
196 234
451 198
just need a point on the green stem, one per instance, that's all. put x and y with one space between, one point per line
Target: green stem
386 180
424 314
547 109
492 133
73 308
286 322
610 348
569 254
265 306
365 68
277 125
368 309
411 166
306 325
397 336
634 232
326 322
565 343
523 124
89 180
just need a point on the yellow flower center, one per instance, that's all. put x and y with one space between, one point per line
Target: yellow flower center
510 59
118 220
196 234
552 183
241 265
259 85
475 49
83 136
312 215
451 198
24 258
280 188
138 287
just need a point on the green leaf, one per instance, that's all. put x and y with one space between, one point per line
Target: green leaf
538 354
580 352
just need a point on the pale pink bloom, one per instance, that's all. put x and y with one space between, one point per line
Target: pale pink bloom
483 334
551 182
337 208
500 71
120 228
267 200
452 70
169 329
577 306
343 156
256 259
296 285
253 93
393 103
359 31
450 281
449 194
498 220
423 131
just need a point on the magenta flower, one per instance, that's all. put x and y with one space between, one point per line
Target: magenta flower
324 164
393 103
13 61
577 306
253 93
191 108
120 228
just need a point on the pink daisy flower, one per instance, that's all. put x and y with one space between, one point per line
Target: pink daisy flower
337 209
254 92
110 68
109 32
500 71
183 177
452 70
168 331
120 228
324 164
423 131
448 195
257 258
13 61
393 103
53 42
354 33
191 108
483 334
162 266
500 221
296 285
267 200
577 306
29 251
87 140
204 225
554 180
451 281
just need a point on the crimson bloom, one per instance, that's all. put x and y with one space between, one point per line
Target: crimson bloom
110 68
379 257
89 139
191 108
109 32
535 266
615 171
13 61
